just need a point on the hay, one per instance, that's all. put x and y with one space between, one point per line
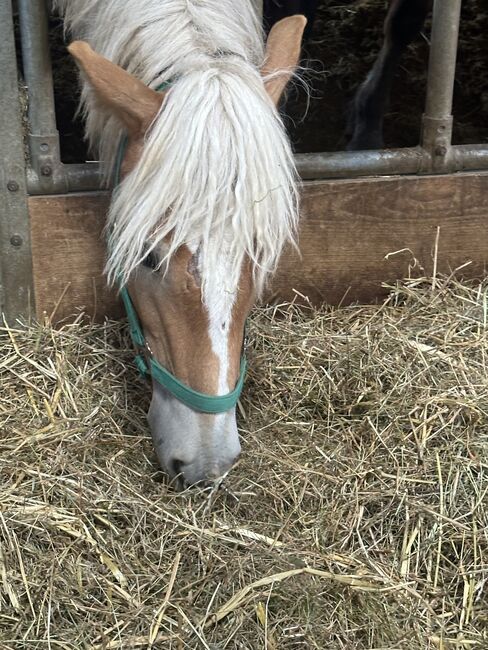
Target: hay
356 518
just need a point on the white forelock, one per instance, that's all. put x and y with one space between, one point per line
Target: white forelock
216 168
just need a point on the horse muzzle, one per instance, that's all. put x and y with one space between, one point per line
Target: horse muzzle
193 448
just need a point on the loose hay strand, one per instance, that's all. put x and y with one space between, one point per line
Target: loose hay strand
356 518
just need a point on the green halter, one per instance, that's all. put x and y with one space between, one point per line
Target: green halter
149 367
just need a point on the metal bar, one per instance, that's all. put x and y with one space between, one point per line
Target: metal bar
470 157
436 155
16 289
37 65
442 59
437 120
350 164
83 177
36 58
342 164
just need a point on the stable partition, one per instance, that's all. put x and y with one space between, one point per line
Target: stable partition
355 236
52 214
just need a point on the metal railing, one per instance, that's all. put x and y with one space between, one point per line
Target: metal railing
435 153
44 173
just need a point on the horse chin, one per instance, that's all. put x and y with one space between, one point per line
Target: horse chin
193 448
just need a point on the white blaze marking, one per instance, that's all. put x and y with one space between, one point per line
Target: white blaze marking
219 299
219 303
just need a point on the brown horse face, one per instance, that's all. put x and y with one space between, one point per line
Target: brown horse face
199 340
193 328
195 333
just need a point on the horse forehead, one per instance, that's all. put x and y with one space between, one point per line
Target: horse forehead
217 296
208 307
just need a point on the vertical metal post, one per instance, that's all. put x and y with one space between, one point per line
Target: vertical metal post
437 120
16 291
43 136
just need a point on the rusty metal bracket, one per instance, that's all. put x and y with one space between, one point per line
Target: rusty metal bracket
16 288
438 153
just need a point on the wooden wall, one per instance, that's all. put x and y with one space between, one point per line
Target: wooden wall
354 236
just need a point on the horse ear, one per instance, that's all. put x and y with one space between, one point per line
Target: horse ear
128 98
282 54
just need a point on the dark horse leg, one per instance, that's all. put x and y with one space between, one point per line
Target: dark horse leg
275 10
403 23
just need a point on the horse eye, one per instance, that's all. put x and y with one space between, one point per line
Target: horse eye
150 261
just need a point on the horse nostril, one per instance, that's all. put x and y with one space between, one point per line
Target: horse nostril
177 466
186 473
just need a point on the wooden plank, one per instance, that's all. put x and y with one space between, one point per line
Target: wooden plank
357 234
354 236
68 256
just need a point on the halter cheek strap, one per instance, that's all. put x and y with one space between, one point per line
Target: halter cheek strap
149 367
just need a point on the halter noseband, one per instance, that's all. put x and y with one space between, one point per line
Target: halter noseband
146 363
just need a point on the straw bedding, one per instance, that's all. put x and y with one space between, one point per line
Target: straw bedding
356 518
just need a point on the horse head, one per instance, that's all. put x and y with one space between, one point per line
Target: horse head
191 235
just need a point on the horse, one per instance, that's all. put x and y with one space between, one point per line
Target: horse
403 23
180 100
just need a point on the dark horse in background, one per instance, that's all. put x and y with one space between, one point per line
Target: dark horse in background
403 23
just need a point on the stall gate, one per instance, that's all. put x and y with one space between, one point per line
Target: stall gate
42 174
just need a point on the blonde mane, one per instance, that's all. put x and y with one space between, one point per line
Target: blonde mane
216 171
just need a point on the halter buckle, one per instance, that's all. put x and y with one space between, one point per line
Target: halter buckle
143 352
